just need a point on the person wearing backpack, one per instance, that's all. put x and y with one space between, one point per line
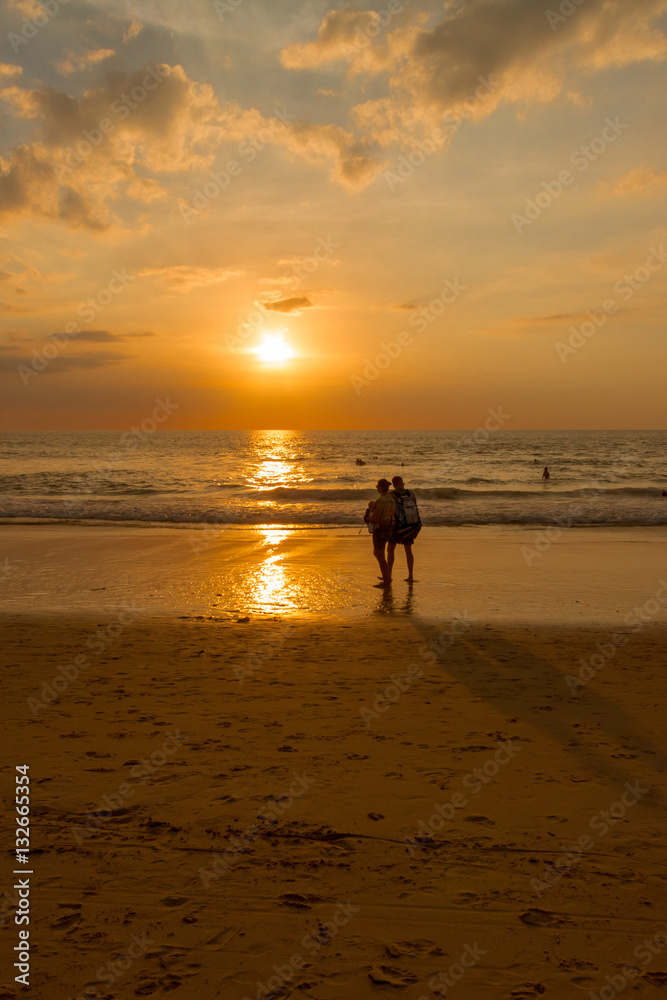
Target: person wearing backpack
407 525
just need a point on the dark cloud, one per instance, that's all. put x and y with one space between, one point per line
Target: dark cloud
528 52
292 305
74 168
480 54
76 211
64 363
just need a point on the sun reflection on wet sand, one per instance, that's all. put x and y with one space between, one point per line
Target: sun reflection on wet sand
269 580
285 576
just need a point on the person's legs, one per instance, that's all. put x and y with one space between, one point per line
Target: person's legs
410 560
391 552
384 569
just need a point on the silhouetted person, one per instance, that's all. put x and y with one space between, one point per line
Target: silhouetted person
407 525
546 474
380 513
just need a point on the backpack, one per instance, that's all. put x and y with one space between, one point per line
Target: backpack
407 512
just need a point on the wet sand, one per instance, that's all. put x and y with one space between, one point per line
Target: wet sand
337 803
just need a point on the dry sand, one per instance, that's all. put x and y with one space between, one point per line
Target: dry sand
374 837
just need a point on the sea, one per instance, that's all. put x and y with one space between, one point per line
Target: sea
315 479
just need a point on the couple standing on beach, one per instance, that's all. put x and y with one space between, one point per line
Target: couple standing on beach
394 520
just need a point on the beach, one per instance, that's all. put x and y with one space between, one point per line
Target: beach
252 775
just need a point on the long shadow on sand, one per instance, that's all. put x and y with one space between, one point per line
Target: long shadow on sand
496 665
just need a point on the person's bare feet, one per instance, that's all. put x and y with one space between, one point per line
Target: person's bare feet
383 585
409 579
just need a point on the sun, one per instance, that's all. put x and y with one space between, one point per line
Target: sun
273 349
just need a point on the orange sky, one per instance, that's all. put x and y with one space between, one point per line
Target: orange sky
440 207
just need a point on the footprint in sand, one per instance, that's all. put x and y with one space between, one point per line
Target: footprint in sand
463 898
528 990
584 982
482 820
67 920
656 978
392 976
146 988
221 939
300 900
417 949
541 918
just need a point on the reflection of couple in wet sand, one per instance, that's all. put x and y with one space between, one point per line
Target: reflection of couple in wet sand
394 520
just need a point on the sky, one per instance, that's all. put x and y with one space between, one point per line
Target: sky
435 209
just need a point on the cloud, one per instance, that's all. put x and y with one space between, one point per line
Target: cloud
348 34
156 121
183 278
7 70
354 166
64 363
29 8
641 180
572 317
293 305
98 336
480 54
405 306
135 28
75 210
101 336
76 63
514 41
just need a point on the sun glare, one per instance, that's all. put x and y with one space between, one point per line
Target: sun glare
274 349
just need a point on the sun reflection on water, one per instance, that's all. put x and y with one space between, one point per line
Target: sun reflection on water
277 462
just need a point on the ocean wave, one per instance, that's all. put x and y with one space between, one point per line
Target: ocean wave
327 518
303 494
